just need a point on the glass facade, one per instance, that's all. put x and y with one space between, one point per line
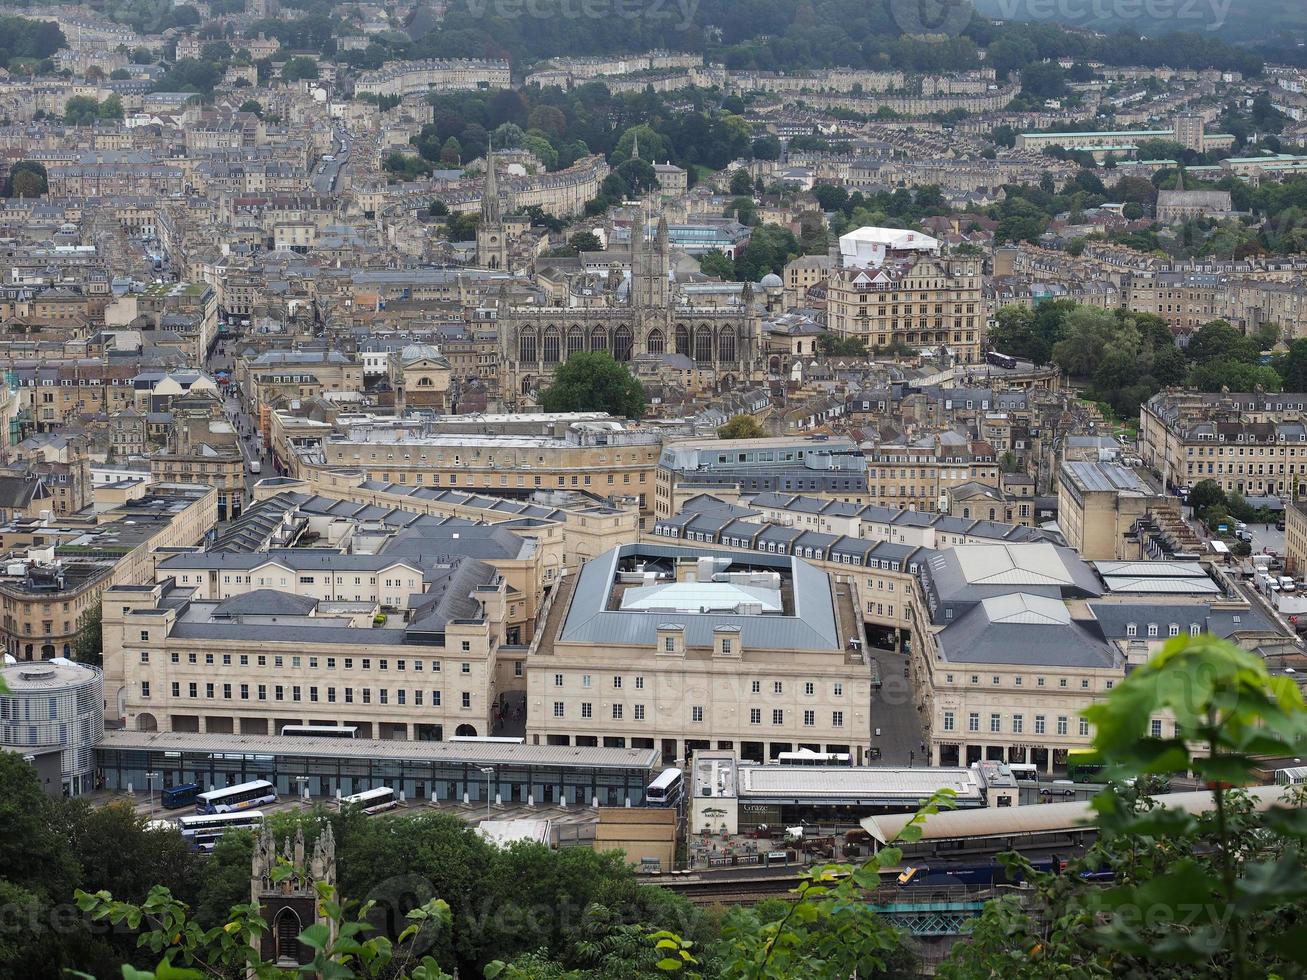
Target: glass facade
56 705
417 778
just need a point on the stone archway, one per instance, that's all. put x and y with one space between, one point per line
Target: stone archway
146 722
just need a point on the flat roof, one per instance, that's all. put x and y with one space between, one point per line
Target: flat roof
456 753
1048 818
856 784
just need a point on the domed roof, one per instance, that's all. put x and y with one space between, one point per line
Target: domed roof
772 281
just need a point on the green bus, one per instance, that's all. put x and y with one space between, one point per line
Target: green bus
1084 766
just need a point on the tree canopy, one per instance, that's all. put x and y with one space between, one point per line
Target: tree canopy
594 382
741 427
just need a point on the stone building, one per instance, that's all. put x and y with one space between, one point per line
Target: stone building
646 315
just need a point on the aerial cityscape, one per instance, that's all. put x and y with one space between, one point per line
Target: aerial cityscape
586 489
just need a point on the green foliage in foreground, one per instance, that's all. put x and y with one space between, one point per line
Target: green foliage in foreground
1221 893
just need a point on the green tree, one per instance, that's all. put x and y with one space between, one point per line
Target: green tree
27 178
717 263
741 427
81 110
594 382
1293 368
299 69
1205 494
251 105
88 645
1089 336
585 241
741 184
1218 340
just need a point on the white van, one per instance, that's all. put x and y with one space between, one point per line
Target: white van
1287 584
256 466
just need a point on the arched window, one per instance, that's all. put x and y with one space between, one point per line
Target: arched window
703 344
424 382
551 345
656 342
726 344
286 930
466 731
683 339
575 341
598 339
622 343
526 345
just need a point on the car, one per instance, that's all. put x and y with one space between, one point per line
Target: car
1279 525
1051 791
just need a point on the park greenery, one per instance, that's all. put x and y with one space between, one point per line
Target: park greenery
1161 892
594 382
1125 358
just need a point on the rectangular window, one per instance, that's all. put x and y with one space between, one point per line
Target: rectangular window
145 689
1039 725
639 712
617 682
558 709
1155 727
1018 724
995 723
617 712
696 713
778 687
1084 727
558 680
777 716
587 709
973 721
755 716
809 688
809 718
837 719
948 721
467 699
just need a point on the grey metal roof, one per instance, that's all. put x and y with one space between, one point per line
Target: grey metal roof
456 753
1115 618
811 627
1016 630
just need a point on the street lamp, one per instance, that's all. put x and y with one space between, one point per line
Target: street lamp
301 780
488 771
150 777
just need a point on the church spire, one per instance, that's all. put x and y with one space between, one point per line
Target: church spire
635 144
661 236
1179 181
490 193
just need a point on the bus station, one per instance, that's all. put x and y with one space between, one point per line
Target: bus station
324 767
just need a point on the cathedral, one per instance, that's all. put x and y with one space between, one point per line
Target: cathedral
647 315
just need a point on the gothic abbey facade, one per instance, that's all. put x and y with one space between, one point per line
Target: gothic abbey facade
647 316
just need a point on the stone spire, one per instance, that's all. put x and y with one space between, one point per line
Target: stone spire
661 236
490 193
635 145
1179 181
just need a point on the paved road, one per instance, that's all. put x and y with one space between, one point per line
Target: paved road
326 178
894 710
1266 537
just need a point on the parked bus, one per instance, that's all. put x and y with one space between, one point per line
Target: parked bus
320 731
1083 766
491 739
666 789
1025 772
373 800
242 796
183 794
202 832
807 757
1005 361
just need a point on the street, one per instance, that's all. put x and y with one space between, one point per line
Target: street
327 175
894 710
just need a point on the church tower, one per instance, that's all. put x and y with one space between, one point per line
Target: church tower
289 904
492 243
649 267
